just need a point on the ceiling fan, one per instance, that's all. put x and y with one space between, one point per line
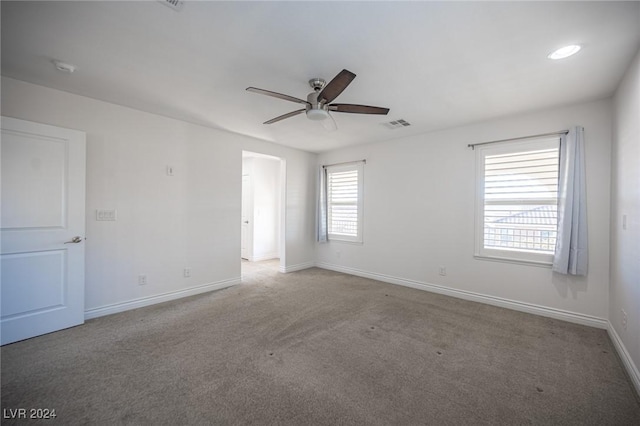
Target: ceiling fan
317 105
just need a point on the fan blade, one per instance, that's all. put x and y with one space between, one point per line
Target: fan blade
276 95
287 115
358 109
329 124
336 86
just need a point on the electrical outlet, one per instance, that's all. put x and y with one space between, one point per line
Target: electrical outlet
442 270
142 280
338 254
624 319
187 272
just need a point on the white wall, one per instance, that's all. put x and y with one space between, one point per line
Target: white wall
419 214
164 223
264 187
625 200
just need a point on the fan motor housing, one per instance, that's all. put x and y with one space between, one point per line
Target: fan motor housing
316 110
313 104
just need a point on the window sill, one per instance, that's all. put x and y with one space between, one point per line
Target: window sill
536 263
335 240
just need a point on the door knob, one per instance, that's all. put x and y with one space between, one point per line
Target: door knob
246 221
75 240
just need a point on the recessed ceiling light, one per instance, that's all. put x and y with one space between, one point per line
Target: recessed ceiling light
564 52
64 67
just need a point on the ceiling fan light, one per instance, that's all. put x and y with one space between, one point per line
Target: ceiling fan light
317 114
564 52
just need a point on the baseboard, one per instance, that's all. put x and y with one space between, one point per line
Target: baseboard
475 297
152 300
298 267
627 361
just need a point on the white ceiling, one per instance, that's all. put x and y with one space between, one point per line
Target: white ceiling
434 64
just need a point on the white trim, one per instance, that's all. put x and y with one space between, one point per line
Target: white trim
353 243
518 261
152 300
530 308
298 267
627 361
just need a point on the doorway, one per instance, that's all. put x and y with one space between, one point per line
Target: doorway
262 221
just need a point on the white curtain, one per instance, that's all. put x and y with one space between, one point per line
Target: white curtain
572 255
322 206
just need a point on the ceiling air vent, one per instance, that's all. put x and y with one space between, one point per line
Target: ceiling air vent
173 4
397 124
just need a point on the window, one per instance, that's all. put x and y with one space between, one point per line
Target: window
344 202
517 200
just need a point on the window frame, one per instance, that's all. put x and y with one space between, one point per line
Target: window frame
359 167
507 147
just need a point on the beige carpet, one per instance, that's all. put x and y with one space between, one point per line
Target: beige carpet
319 347
266 266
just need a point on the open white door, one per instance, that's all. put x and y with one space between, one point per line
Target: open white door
43 228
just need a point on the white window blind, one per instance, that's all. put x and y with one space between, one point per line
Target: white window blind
519 199
344 202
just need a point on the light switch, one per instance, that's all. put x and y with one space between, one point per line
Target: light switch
624 221
106 215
